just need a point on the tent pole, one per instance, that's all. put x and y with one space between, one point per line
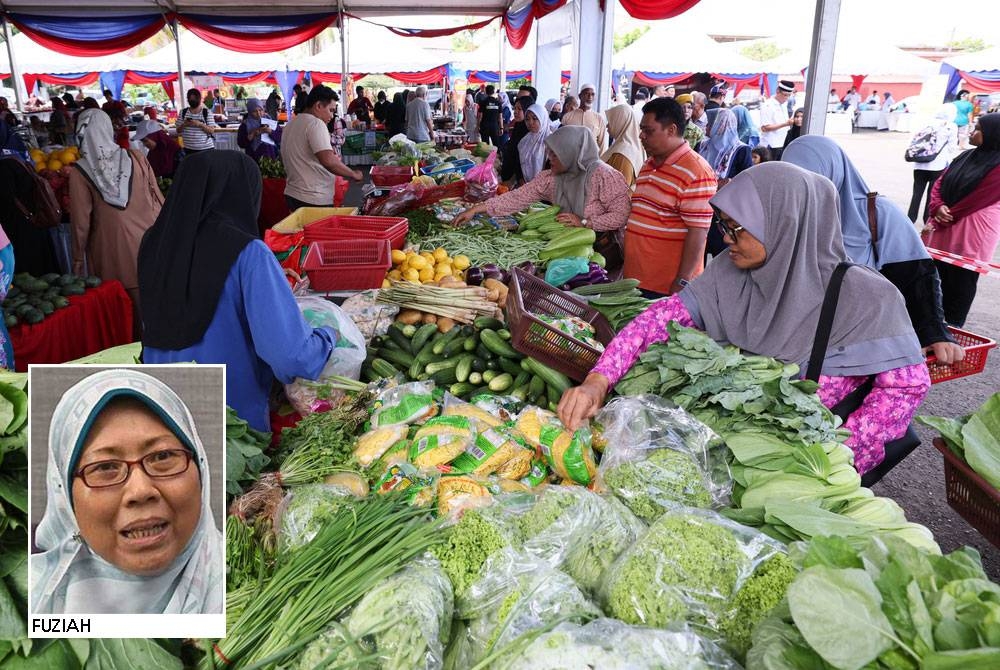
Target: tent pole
820 73
344 86
180 94
502 90
15 72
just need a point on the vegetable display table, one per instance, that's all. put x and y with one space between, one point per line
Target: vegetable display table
98 319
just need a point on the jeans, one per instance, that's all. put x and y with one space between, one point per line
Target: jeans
958 291
923 180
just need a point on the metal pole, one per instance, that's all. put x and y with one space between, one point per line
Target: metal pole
15 72
344 86
820 72
179 94
503 61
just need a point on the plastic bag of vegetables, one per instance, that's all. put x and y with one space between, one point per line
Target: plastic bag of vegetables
406 620
688 566
568 454
659 456
520 594
612 645
304 510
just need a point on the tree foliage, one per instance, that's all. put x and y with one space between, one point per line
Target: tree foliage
763 51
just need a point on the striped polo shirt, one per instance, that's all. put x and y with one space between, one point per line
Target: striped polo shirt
197 139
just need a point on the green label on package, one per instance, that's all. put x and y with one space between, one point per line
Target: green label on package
410 408
565 454
487 443
539 471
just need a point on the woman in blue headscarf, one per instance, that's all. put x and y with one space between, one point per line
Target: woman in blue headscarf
749 133
251 135
728 156
886 242
128 525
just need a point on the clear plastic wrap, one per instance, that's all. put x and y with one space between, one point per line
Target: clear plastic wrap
407 617
441 440
615 530
370 316
408 404
608 644
335 648
345 360
520 594
687 566
658 456
568 454
304 510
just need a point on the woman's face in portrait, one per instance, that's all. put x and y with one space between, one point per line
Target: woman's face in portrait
534 125
139 525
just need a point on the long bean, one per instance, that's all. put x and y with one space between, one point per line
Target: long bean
486 246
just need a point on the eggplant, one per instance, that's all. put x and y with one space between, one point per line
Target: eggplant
504 276
528 267
474 276
492 271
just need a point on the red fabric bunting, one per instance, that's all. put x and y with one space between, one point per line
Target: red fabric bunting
257 43
427 32
79 48
649 79
431 76
980 83
652 10
857 80
83 79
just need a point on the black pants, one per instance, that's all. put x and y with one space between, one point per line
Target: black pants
923 180
958 290
294 204
490 135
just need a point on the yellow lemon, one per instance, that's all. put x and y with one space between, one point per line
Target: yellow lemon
440 254
427 274
37 155
428 256
418 263
461 262
395 275
39 167
55 165
443 269
67 157
386 283
398 257
411 275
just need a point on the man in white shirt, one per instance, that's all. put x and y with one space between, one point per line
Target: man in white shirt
774 118
698 115
662 91
641 98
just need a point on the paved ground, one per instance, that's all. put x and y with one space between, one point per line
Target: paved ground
918 483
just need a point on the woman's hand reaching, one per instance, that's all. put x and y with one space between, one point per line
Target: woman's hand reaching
582 402
467 215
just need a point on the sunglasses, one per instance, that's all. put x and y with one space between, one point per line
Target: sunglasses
728 228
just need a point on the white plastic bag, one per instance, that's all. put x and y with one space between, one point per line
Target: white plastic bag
348 354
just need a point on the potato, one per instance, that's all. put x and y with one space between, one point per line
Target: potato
410 317
445 324
500 288
430 318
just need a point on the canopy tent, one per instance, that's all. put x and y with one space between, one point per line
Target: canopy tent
672 51
201 57
980 70
482 65
38 64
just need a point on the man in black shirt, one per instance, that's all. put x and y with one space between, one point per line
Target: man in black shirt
381 107
489 117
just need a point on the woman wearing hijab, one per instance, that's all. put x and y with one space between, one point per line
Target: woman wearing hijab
554 110
212 292
113 200
965 215
589 192
796 130
897 252
531 148
163 154
728 157
888 102
510 158
925 174
11 143
125 466
250 136
395 120
747 129
625 153
765 296
470 114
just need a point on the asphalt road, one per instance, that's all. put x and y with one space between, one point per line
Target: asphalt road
917 484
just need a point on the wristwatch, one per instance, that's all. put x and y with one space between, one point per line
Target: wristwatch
583 222
682 282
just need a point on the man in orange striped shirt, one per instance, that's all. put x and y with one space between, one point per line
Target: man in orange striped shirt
665 236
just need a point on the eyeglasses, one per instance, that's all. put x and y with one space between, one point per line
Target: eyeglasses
158 465
728 228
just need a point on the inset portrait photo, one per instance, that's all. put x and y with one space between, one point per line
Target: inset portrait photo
127 495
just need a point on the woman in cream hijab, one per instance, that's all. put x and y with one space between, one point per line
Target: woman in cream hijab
625 153
128 526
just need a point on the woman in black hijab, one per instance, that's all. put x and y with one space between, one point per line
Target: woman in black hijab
34 249
395 117
212 292
510 163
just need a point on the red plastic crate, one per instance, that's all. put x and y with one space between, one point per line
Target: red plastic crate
391 175
338 227
970 495
976 348
347 265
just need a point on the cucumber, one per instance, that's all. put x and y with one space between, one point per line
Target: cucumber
444 377
479 365
620 286
476 378
525 365
497 345
493 364
554 394
513 367
383 368
487 323
501 383
425 356
522 379
471 342
445 340
536 388
553 406
504 334
400 359
490 375
389 343
370 375
437 366
464 368
483 352
401 340
555 380
520 393
455 346
461 390
422 336
409 330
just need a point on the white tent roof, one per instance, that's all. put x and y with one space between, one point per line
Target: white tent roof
200 56
978 61
375 50
676 46
33 58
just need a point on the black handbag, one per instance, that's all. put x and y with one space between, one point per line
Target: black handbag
896 450
609 244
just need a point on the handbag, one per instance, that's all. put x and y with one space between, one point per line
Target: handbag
895 450
609 244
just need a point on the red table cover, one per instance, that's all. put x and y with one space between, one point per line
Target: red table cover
98 319
272 203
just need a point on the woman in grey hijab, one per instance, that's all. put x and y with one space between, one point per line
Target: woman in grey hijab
765 297
255 137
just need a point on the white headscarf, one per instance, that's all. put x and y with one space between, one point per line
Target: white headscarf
624 128
531 148
107 165
68 577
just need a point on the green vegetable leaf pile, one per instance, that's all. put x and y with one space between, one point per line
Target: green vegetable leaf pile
245 454
974 438
883 604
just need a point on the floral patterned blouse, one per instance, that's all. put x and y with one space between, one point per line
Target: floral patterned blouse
883 416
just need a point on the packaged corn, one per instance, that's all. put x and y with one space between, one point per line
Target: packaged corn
407 404
418 488
440 440
376 443
491 451
456 407
459 492
568 454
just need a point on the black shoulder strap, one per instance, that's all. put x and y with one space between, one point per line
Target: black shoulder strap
826 314
873 222
204 114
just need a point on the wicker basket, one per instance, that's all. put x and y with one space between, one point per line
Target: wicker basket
975 499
